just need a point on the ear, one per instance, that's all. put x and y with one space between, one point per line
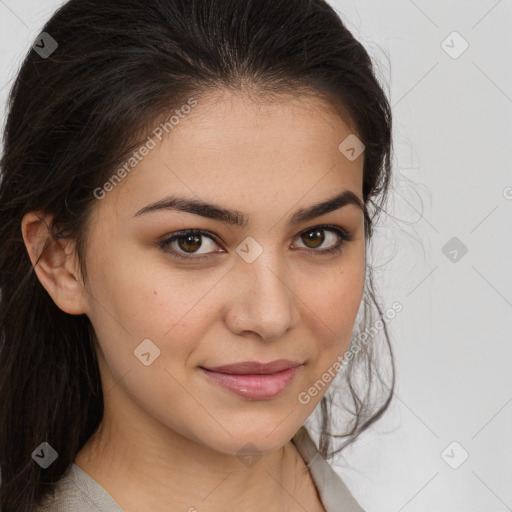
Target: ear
55 263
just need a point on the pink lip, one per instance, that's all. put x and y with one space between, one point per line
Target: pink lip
252 380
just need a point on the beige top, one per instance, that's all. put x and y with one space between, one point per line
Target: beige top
79 492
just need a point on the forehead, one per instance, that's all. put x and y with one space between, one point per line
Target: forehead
223 119
237 149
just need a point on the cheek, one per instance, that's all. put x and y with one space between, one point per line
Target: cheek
334 300
132 307
143 296
336 297
135 304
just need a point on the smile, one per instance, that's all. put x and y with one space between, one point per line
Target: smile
254 386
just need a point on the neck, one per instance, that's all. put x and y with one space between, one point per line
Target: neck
146 466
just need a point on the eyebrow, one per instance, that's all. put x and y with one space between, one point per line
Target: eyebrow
237 218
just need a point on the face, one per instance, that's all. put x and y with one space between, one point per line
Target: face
273 286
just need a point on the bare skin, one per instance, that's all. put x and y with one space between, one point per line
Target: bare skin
170 437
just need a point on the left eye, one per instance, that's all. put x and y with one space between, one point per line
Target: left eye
316 237
188 242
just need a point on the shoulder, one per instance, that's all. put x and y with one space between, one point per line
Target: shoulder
332 490
78 492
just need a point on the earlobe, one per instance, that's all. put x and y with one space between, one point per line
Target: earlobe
55 263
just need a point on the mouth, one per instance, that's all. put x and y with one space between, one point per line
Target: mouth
255 367
254 380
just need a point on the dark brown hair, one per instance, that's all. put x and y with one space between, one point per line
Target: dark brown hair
75 115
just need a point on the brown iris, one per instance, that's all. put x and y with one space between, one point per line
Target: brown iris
315 236
193 242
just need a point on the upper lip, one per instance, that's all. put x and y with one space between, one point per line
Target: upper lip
255 367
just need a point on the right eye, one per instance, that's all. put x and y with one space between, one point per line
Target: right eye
188 242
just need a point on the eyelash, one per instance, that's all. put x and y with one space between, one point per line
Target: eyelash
344 237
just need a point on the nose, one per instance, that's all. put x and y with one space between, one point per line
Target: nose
263 303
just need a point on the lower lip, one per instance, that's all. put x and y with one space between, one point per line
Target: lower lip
254 387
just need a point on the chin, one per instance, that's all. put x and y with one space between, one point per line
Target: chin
253 436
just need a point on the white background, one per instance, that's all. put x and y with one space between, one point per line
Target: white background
453 339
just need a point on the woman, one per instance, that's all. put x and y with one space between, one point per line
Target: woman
188 192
